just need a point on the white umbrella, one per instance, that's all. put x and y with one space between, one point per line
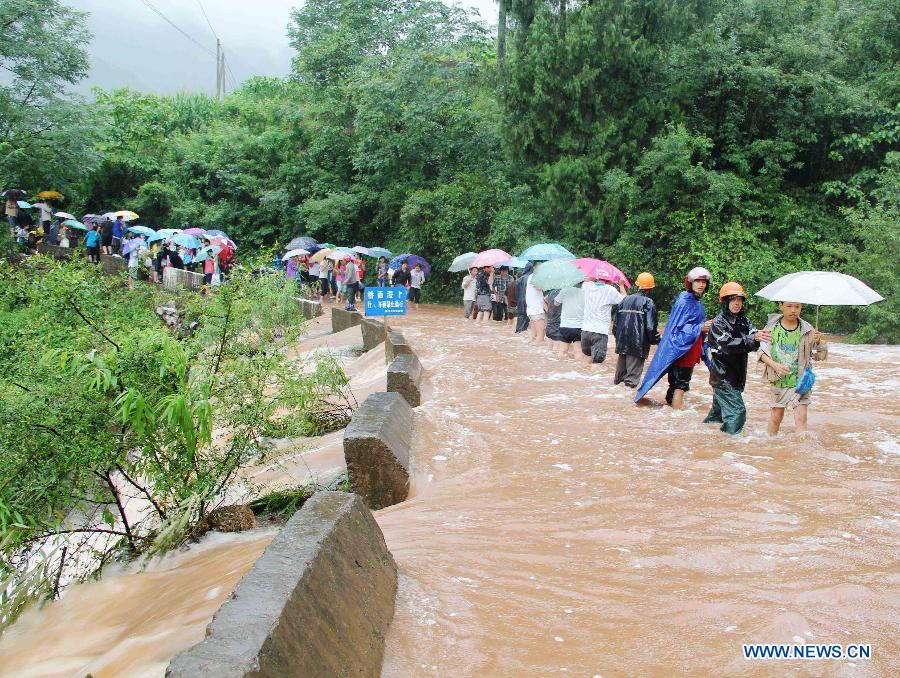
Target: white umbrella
64 215
822 288
359 249
461 263
295 253
337 255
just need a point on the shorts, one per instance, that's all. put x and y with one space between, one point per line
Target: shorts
106 241
133 272
594 344
342 287
484 302
93 251
569 335
467 307
323 286
788 397
415 294
536 317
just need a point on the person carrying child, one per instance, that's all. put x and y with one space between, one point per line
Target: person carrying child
787 354
731 338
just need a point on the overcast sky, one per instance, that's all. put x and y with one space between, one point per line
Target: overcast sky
135 47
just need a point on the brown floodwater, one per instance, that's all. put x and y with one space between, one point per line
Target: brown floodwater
554 528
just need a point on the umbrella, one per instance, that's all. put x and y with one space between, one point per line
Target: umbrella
169 231
72 223
132 244
301 242
215 231
50 195
124 215
338 254
208 252
223 242
359 249
13 193
822 288
546 251
64 215
599 269
327 246
515 262
462 263
185 240
295 253
24 205
380 252
556 274
412 260
157 236
321 254
493 257
196 232
143 230
86 216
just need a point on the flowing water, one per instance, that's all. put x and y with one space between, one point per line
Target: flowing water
555 528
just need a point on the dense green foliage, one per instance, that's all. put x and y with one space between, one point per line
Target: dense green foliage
118 434
748 136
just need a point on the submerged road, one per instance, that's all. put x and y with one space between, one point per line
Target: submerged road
556 528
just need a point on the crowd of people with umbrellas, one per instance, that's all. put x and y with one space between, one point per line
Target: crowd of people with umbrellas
205 251
336 273
582 301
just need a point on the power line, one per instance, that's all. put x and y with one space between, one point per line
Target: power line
178 28
208 22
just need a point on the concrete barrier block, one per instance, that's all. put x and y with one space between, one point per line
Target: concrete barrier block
309 309
175 278
376 449
112 265
403 376
396 346
372 333
318 602
342 320
57 252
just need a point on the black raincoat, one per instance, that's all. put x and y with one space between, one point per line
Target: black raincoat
729 341
521 314
553 315
637 325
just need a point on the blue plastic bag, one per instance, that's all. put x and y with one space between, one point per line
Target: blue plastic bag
806 381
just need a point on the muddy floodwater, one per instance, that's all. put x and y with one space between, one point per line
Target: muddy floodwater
554 528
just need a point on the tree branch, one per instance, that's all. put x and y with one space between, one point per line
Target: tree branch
144 491
92 325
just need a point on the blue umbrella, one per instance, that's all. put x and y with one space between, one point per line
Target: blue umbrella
143 230
208 252
380 252
546 251
24 205
185 240
157 236
216 231
169 231
412 260
515 262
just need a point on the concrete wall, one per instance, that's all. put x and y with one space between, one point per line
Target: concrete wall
317 603
403 376
396 346
342 320
372 333
376 449
309 308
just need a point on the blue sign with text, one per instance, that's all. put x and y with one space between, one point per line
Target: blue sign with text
385 300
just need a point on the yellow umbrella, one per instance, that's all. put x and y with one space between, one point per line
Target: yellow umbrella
50 195
127 215
321 254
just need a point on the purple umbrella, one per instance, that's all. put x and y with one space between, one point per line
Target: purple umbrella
411 260
197 232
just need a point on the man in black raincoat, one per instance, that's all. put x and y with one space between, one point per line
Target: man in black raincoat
730 339
521 315
637 327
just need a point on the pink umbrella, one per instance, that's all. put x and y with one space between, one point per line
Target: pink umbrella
196 232
490 258
601 270
222 241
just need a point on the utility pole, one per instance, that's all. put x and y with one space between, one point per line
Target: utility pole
222 69
218 70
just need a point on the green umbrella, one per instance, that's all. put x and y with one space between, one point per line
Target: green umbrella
557 274
71 223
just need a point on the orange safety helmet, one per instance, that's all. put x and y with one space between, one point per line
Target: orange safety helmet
645 281
731 289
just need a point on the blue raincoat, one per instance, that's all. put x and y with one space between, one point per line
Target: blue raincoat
682 329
